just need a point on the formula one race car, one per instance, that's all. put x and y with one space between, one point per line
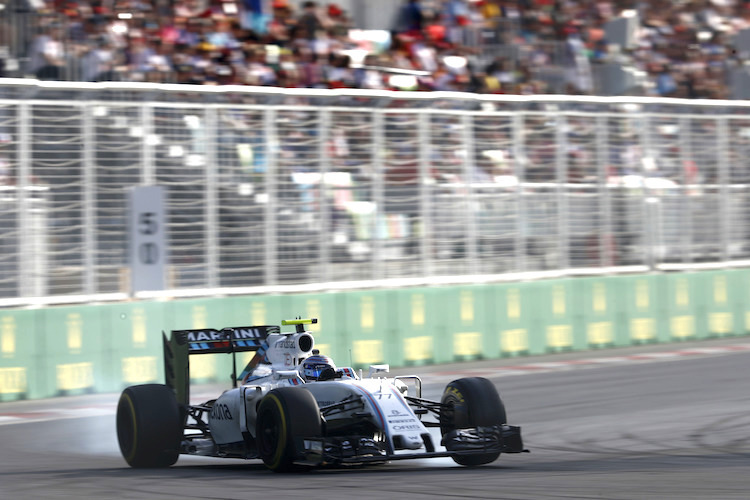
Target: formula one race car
293 408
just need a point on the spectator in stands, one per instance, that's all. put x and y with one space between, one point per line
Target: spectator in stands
258 72
339 73
666 85
311 22
221 35
282 24
313 68
338 21
410 18
98 60
47 58
188 9
368 76
686 49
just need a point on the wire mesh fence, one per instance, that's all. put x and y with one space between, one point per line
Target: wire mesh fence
271 188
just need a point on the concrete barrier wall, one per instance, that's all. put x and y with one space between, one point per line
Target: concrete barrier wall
69 350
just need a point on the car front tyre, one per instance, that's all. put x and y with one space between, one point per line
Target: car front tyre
471 402
284 416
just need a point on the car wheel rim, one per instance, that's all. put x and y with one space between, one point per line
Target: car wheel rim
269 435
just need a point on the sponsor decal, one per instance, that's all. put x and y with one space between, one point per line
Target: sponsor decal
212 335
285 344
456 393
398 417
205 336
221 412
408 427
247 333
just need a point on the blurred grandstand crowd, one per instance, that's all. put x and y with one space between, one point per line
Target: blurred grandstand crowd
682 48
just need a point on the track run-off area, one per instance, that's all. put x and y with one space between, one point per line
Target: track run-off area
657 421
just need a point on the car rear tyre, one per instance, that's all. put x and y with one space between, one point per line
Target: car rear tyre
149 426
285 415
471 402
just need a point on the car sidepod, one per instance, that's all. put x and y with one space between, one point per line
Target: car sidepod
224 418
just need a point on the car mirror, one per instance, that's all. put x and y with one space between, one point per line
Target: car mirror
376 369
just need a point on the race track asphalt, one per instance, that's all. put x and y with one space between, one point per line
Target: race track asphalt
649 422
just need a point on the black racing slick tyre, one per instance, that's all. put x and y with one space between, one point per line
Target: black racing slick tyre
471 402
285 415
149 426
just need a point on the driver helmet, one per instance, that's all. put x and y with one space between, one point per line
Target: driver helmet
313 367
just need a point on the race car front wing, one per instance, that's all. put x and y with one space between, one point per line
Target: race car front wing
471 441
502 438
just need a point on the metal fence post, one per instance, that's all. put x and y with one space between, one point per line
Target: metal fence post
324 238
722 132
270 255
89 200
471 209
561 174
519 167
378 142
26 253
606 236
212 208
148 172
649 209
686 221
425 193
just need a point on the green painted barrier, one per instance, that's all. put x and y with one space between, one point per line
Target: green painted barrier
416 312
560 314
135 331
741 299
682 308
77 352
59 351
720 305
367 325
515 310
464 312
644 309
600 303
20 355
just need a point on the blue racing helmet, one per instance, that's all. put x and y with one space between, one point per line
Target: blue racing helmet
313 367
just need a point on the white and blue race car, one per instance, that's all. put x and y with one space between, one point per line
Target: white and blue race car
293 408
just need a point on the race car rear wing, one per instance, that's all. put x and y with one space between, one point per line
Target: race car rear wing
183 343
235 339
